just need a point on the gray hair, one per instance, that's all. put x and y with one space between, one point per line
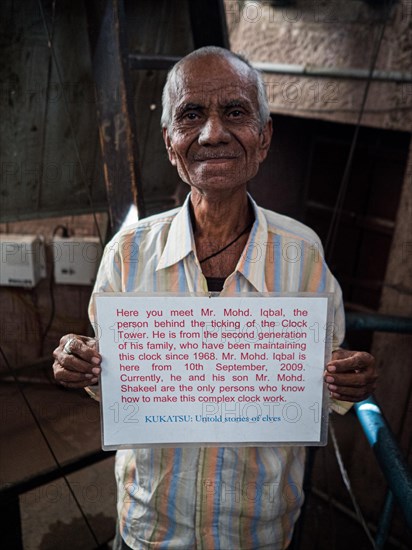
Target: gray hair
263 105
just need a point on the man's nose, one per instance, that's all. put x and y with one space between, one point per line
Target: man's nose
214 131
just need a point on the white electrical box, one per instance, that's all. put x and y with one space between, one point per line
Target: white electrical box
76 260
23 260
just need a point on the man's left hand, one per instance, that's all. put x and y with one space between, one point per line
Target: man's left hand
351 375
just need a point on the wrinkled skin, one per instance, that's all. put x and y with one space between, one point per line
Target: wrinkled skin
217 141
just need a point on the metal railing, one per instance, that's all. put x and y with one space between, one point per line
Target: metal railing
392 463
379 435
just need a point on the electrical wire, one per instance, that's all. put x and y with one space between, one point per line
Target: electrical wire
46 441
89 197
72 131
348 485
45 115
51 290
337 212
284 109
331 240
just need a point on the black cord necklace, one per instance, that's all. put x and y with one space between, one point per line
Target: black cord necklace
246 229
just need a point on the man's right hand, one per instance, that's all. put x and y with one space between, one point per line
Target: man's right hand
76 361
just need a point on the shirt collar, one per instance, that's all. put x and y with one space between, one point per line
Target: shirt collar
180 243
253 259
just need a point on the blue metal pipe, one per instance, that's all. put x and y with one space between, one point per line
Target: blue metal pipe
388 454
378 322
384 522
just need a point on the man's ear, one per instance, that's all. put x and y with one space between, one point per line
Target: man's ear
265 139
169 146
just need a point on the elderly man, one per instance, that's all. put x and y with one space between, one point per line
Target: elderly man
217 131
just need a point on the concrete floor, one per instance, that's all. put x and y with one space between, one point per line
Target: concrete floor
49 527
51 519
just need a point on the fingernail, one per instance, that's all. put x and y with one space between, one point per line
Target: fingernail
332 388
331 368
94 380
96 360
96 370
89 375
329 379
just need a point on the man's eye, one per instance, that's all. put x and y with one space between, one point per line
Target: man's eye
235 113
191 116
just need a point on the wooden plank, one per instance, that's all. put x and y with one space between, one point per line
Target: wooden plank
156 28
40 168
23 73
117 127
71 152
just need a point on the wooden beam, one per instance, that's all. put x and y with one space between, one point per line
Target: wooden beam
117 128
208 21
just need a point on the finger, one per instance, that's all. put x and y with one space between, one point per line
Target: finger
350 361
347 389
353 380
353 395
73 378
91 342
360 374
79 346
351 387
74 364
84 348
75 385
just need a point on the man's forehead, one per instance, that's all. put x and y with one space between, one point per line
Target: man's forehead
216 66
215 91
213 74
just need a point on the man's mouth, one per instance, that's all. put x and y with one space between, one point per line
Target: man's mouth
215 158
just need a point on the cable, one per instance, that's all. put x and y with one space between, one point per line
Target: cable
45 115
334 224
90 201
73 134
331 239
348 486
288 112
65 234
246 229
46 441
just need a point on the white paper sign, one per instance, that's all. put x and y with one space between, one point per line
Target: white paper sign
244 370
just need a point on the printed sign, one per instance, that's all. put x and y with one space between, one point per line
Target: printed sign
197 370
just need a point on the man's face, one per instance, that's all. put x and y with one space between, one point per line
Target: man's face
215 139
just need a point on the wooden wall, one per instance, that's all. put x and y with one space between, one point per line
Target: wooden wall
49 148
342 35
27 312
337 34
37 132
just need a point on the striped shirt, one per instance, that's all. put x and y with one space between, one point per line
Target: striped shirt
213 498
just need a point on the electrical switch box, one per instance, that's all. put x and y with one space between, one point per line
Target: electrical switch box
23 260
76 260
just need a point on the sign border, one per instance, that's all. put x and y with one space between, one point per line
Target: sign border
324 415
